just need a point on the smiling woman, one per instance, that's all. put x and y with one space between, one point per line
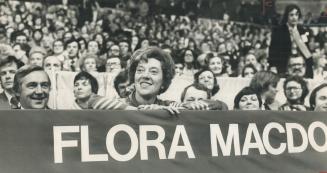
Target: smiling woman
151 71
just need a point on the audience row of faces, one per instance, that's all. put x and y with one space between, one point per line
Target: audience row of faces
150 74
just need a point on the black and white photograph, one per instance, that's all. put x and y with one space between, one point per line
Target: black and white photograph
163 86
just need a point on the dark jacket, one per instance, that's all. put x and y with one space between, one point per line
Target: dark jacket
281 47
4 104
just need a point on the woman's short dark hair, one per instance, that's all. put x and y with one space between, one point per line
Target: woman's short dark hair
302 82
87 76
167 64
249 66
288 9
215 88
122 77
246 91
313 95
261 81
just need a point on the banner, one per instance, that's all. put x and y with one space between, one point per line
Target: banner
154 141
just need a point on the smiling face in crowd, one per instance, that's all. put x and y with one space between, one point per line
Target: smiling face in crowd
206 78
148 78
34 90
216 65
249 102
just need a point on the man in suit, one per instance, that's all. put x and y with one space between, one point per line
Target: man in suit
8 67
32 86
287 39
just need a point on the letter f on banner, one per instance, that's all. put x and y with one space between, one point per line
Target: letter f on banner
59 144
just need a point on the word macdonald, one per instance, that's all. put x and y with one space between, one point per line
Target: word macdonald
140 143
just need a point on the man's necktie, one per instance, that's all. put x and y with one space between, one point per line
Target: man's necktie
14 103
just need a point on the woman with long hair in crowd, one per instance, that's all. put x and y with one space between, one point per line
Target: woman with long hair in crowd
216 65
189 60
206 78
249 71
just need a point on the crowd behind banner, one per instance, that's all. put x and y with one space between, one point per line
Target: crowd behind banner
132 60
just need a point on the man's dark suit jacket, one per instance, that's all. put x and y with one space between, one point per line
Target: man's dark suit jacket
281 47
4 104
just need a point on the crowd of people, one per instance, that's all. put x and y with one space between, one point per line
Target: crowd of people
145 53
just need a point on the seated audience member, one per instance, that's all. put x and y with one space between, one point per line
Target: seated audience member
89 63
249 71
216 65
188 58
124 49
93 47
198 97
36 56
151 71
318 98
52 64
195 92
21 52
206 77
114 65
250 58
296 66
32 86
320 71
8 67
121 84
58 50
179 66
295 90
71 63
85 91
265 83
247 99
113 50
